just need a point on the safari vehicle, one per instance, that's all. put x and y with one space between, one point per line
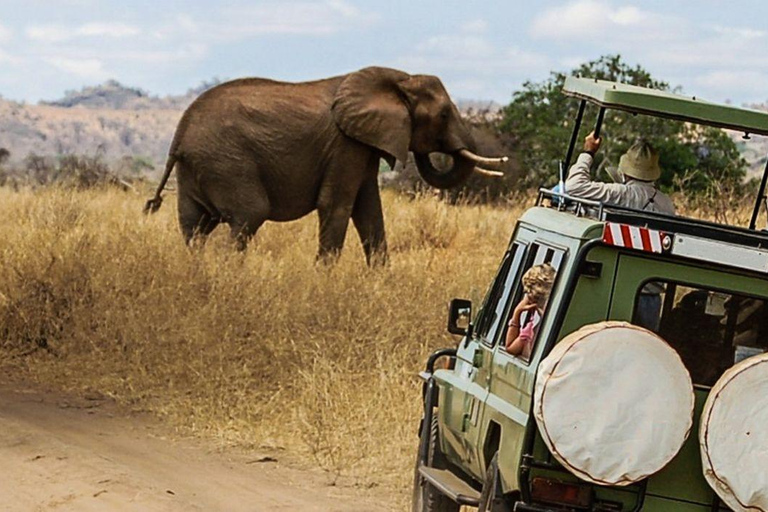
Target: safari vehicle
480 445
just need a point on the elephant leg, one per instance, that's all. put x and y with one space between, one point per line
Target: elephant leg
251 211
334 221
243 230
368 218
333 229
195 220
337 197
243 205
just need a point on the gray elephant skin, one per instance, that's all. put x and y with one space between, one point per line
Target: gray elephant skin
254 149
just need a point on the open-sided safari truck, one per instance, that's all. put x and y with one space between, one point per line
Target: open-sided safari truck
603 414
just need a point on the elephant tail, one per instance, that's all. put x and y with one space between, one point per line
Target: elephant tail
154 204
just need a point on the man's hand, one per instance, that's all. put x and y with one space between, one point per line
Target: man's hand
591 144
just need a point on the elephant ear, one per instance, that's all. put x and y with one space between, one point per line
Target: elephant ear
369 107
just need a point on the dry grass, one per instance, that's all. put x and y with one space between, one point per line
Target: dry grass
263 349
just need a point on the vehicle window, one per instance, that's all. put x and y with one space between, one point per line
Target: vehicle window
711 330
527 306
488 323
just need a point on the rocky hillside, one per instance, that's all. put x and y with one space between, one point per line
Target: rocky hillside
110 120
110 133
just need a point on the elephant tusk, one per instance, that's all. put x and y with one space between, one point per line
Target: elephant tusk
486 172
481 159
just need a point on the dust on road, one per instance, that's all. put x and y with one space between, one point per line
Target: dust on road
65 454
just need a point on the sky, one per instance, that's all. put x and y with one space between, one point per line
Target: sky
484 49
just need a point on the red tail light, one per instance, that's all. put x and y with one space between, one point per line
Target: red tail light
554 492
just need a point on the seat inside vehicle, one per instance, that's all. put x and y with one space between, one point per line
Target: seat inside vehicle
711 330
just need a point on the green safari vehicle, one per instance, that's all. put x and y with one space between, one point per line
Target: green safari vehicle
480 445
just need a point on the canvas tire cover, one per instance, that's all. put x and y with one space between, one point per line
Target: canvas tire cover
614 403
733 436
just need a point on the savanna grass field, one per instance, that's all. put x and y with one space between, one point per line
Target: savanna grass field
263 349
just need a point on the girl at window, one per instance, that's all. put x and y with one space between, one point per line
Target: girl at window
537 285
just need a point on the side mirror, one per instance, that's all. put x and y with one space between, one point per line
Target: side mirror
459 316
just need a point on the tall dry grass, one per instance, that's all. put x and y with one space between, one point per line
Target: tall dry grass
264 348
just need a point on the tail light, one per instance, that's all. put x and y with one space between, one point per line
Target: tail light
555 492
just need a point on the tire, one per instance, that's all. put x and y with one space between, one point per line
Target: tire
425 497
491 499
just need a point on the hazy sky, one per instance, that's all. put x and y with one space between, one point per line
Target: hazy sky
481 49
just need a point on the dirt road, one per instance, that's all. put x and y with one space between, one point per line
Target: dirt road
59 453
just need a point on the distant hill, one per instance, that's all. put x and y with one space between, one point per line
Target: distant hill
479 110
110 120
110 133
114 95
754 150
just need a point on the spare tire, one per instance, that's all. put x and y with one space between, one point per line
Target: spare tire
733 436
613 403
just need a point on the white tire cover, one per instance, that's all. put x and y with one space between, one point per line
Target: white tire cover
733 436
614 403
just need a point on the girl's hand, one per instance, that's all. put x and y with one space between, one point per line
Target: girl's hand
525 305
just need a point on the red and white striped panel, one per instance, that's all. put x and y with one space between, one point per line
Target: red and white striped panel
633 237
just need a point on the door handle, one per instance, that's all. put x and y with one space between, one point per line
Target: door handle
465 422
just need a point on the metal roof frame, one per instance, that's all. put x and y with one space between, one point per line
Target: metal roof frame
653 102
656 103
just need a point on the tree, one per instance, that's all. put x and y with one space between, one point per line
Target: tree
542 118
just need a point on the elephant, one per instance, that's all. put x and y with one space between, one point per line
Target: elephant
254 149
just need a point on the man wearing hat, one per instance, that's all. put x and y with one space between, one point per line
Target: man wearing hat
635 179
635 187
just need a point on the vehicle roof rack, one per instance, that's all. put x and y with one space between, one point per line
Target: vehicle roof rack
643 100
606 212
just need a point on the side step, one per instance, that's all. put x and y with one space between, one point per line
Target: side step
451 485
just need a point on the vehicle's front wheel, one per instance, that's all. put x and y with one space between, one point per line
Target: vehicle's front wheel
425 497
491 499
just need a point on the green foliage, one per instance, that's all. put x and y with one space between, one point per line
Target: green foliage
541 117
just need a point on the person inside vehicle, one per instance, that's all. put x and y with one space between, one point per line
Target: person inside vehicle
635 188
521 331
635 177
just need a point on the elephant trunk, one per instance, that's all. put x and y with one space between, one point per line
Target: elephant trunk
457 174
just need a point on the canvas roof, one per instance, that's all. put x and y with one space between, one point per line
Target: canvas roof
642 100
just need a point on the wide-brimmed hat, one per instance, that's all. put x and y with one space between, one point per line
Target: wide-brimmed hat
641 161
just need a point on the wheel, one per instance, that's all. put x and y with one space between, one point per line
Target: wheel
491 499
425 497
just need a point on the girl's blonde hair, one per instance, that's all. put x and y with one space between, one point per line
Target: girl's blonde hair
538 281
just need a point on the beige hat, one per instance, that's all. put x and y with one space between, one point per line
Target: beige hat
641 162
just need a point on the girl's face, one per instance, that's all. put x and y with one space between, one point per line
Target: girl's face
536 299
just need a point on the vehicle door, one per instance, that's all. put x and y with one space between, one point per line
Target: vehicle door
511 379
464 391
